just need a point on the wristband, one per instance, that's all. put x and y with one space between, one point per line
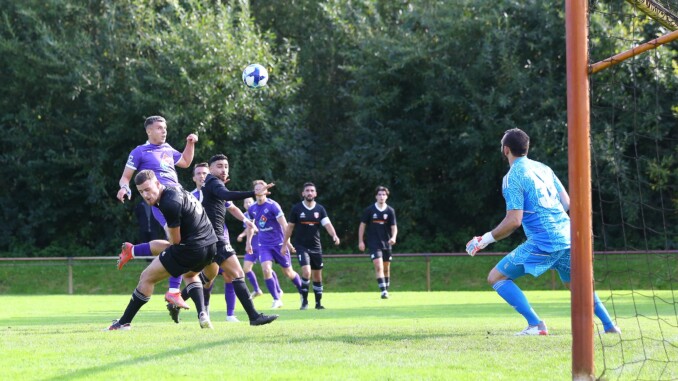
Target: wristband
127 189
487 238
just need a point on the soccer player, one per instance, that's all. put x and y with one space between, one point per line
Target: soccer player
270 220
379 221
309 215
191 247
215 194
250 258
536 199
162 159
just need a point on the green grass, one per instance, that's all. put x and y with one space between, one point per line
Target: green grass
412 336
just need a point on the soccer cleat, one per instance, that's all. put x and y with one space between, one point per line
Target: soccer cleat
304 306
116 326
534 330
614 330
319 306
204 319
384 294
125 255
256 293
277 303
263 319
174 312
175 299
232 319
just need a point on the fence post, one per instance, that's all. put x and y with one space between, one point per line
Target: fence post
70 275
428 273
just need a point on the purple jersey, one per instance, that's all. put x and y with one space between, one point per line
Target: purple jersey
158 158
265 217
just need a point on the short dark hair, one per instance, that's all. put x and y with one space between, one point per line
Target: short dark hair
152 119
217 157
517 141
143 176
308 184
381 188
199 165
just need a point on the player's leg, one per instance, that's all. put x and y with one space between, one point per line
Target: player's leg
502 282
229 297
317 277
386 257
378 263
154 273
232 270
174 281
305 264
266 261
286 265
248 265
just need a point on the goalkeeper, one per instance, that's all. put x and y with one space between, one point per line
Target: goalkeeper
537 200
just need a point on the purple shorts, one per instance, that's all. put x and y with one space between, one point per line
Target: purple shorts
250 258
272 254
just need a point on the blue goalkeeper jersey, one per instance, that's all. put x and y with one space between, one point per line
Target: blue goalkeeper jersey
532 187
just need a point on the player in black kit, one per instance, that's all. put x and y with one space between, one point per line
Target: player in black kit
191 247
309 216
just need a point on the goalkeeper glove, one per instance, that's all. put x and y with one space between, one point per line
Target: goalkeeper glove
478 243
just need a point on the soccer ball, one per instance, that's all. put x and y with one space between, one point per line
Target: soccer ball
255 76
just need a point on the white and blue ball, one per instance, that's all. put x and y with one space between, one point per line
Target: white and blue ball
255 76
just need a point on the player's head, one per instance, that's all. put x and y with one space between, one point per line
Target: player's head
381 194
148 186
156 129
258 187
516 141
247 202
219 166
309 192
200 172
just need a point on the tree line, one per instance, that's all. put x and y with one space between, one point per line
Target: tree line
413 95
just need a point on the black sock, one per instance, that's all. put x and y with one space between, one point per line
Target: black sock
304 289
184 293
195 292
318 291
206 293
387 281
135 304
381 283
243 294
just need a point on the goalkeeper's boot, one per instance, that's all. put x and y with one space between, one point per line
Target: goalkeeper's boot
263 319
614 329
175 299
174 312
125 255
116 326
534 330
204 319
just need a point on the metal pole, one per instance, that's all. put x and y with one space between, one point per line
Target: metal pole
70 275
428 273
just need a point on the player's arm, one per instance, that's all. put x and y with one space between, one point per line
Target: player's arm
240 216
189 151
361 235
124 181
394 234
288 235
506 227
174 235
249 233
330 229
283 224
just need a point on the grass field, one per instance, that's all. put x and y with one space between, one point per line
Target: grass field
412 336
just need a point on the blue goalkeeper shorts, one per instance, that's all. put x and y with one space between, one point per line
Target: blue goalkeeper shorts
528 259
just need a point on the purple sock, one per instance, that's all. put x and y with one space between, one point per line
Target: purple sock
270 284
174 282
142 250
229 294
277 283
297 282
252 277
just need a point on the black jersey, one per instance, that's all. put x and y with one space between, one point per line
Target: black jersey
307 223
378 226
181 209
214 195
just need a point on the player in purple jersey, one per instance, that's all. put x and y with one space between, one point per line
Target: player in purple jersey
270 220
536 199
309 216
250 258
379 221
162 159
191 247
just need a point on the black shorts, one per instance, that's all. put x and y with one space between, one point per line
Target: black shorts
312 258
224 251
385 254
179 260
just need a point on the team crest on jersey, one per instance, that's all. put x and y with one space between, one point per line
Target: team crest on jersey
385 216
316 214
166 161
262 221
